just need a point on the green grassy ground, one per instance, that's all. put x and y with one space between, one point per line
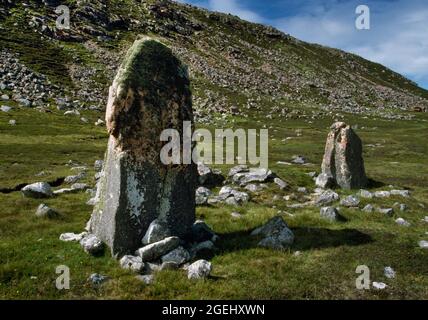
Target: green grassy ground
330 252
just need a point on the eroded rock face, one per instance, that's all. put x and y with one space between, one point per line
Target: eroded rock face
343 160
149 94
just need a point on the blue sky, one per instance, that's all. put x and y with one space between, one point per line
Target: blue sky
398 35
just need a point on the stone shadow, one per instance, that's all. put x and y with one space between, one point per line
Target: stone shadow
305 239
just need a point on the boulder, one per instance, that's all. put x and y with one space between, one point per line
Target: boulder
326 198
324 181
253 175
37 190
343 157
92 244
132 263
276 234
202 232
156 232
150 93
156 250
350 201
199 269
178 256
329 213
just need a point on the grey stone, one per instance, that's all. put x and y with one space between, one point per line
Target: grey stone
179 256
366 194
146 279
137 187
389 273
24 102
202 195
403 207
69 236
401 193
324 181
238 169
327 197
423 244
5 97
12 122
329 213
402 222
37 190
97 278
382 194
236 215
280 183
343 157
254 175
368 208
43 211
92 244
199 269
156 250
133 263
157 231
350 201
5 108
302 190
298 160
276 234
387 211
74 178
231 201
379 285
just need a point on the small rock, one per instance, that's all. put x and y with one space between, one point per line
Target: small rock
350 201
402 222
236 215
199 269
169 265
201 232
389 273
238 169
329 213
366 194
99 123
423 244
133 263
324 181
91 244
12 122
379 285
276 232
280 183
298 160
43 211
68 237
146 279
253 187
5 108
302 190
179 256
327 197
97 279
401 193
37 190
403 207
382 194
156 232
369 208
387 211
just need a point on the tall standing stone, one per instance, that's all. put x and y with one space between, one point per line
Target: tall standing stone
150 93
343 157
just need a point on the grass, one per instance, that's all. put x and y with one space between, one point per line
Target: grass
329 252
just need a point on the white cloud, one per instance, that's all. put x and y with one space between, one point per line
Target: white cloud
233 7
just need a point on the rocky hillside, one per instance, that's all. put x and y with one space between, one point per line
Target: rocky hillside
238 68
